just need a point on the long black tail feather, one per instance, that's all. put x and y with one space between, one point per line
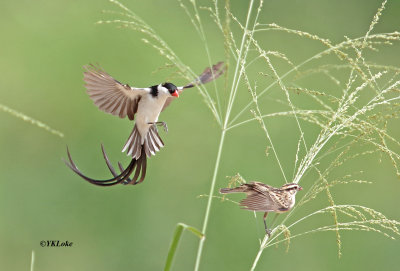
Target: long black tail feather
140 165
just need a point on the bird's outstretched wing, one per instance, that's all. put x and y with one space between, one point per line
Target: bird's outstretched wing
208 75
110 95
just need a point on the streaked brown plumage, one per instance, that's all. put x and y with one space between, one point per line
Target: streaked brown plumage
265 198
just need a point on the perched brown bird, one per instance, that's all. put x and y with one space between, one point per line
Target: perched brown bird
264 198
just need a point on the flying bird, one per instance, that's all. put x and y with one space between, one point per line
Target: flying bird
146 104
265 198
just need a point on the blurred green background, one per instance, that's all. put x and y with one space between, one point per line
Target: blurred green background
44 45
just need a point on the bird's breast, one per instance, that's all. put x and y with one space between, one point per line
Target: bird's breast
292 201
149 109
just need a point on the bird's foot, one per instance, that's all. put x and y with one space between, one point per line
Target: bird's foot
267 231
160 123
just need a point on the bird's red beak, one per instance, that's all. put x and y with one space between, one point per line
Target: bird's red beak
176 93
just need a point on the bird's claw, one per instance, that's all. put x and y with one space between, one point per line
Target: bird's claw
160 123
268 231
164 125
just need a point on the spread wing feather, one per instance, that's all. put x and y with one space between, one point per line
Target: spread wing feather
110 95
208 75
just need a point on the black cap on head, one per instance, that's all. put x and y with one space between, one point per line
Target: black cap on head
171 87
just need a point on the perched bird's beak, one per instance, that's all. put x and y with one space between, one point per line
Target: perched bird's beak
176 93
300 188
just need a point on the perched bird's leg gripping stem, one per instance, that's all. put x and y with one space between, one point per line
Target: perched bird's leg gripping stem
160 123
267 231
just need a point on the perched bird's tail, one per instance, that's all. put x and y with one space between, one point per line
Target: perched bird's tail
152 143
240 189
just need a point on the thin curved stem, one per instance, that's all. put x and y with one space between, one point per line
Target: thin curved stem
209 202
232 95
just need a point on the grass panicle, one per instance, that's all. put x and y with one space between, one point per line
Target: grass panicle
30 120
351 114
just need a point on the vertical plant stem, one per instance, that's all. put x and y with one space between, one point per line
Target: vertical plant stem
209 202
32 260
260 251
221 142
238 72
241 57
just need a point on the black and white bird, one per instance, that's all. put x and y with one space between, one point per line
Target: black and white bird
146 104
